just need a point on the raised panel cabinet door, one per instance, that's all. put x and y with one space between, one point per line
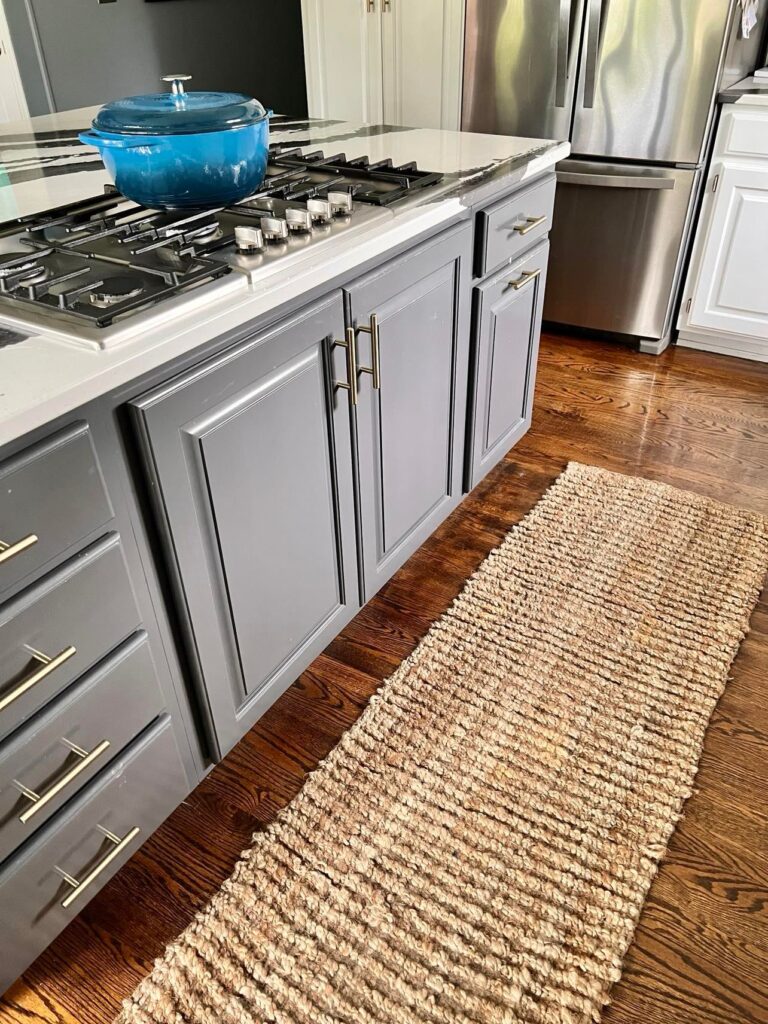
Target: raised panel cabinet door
731 290
251 455
507 328
410 428
422 47
342 57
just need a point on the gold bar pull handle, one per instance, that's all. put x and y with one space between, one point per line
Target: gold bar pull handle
375 370
79 886
370 6
48 665
39 800
9 551
524 279
530 224
348 345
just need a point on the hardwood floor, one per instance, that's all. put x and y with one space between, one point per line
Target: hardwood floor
700 953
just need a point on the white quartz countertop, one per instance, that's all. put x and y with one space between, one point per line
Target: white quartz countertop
43 166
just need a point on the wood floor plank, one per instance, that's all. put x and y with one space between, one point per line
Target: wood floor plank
700 954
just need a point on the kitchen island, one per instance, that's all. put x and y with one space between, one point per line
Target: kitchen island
198 498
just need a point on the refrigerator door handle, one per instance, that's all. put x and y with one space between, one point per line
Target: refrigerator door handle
563 51
593 42
615 180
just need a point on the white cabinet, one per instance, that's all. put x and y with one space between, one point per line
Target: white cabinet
725 304
385 60
13 105
342 56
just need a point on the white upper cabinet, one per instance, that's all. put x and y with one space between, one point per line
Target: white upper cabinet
342 57
397 61
725 307
13 105
422 51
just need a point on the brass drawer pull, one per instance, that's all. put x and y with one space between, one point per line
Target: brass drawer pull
78 886
350 384
9 551
39 800
530 224
48 665
522 281
374 370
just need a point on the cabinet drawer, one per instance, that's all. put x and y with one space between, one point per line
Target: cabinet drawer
65 746
127 802
73 616
53 496
512 225
743 133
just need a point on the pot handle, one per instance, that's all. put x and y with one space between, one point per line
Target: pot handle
91 138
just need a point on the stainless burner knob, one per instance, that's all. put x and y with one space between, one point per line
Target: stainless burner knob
298 220
319 210
274 229
341 203
248 239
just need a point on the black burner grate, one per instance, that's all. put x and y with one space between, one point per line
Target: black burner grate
102 258
304 175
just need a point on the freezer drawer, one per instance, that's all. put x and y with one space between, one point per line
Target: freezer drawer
617 246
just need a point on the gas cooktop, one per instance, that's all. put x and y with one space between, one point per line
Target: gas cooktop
107 258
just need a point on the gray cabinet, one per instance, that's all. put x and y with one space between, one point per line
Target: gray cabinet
88 841
61 626
53 498
412 327
252 464
53 755
291 483
507 326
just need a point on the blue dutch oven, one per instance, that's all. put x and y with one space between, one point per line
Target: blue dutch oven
183 149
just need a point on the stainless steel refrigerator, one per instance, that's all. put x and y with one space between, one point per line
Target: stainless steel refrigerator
633 85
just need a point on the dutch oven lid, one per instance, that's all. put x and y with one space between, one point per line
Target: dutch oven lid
178 112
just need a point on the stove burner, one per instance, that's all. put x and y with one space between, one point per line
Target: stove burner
22 265
106 258
202 234
115 289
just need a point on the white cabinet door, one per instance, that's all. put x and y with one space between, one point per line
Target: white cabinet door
13 105
342 56
422 52
731 288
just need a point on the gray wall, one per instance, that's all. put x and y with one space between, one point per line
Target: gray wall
73 53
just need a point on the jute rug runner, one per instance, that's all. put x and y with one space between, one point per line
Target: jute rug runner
477 848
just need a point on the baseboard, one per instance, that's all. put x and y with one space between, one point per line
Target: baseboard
726 346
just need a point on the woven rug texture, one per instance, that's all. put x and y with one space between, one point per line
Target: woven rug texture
478 846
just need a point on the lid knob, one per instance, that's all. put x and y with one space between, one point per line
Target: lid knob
177 83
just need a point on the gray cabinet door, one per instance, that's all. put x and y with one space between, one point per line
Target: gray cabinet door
253 473
507 328
410 429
